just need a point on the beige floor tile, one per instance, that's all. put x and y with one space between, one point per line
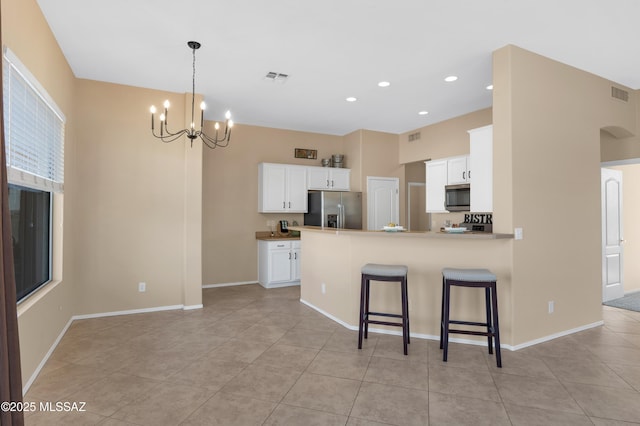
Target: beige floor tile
354 421
230 410
391 405
286 415
305 338
607 403
239 350
110 394
608 422
528 416
460 355
518 363
324 393
58 384
262 333
316 321
160 364
262 382
229 328
62 418
343 340
587 372
339 364
287 357
390 346
463 382
167 404
547 394
630 374
459 410
208 372
405 373
282 320
561 348
618 355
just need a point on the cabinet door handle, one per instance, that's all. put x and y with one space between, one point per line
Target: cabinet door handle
469 174
289 204
289 255
463 173
295 255
284 205
332 183
327 183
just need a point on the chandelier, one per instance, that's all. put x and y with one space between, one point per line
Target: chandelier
218 140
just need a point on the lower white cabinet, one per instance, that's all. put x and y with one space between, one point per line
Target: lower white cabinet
278 263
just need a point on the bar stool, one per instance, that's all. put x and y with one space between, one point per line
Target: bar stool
392 273
478 278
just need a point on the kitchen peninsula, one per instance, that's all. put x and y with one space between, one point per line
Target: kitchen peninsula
330 274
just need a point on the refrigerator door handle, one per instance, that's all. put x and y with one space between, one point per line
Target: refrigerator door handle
339 215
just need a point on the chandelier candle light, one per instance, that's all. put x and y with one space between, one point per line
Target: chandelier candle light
191 133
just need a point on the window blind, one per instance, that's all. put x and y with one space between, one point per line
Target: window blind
34 130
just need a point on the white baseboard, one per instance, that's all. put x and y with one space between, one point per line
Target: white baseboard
128 312
229 284
192 307
456 339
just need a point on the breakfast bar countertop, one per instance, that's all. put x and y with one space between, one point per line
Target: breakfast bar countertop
472 235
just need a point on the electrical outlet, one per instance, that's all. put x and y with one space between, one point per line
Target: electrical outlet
142 287
551 306
323 288
518 233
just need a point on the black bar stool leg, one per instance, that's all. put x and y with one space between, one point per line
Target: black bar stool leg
361 318
487 294
442 316
447 295
496 327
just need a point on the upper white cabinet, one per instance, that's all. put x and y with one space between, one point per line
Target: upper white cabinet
481 162
458 170
328 178
436 180
282 188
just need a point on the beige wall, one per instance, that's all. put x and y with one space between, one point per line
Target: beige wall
445 139
547 119
230 196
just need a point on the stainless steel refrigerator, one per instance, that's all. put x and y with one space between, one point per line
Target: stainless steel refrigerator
334 209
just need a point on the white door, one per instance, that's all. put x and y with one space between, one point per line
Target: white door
383 205
612 253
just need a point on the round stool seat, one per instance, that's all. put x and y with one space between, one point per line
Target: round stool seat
384 270
480 275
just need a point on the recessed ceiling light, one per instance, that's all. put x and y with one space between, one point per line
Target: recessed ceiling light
489 87
351 99
384 84
423 113
450 78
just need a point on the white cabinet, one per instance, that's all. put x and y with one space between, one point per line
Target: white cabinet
278 263
282 188
436 180
328 178
458 170
481 159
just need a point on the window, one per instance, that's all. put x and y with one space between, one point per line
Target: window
34 143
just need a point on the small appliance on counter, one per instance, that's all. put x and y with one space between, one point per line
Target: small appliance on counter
283 227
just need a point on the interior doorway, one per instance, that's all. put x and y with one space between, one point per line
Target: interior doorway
417 217
383 202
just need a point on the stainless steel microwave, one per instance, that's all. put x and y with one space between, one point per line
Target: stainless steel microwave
457 198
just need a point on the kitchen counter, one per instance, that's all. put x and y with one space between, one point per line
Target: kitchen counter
472 235
330 281
266 236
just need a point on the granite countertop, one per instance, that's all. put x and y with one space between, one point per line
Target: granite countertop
415 234
266 236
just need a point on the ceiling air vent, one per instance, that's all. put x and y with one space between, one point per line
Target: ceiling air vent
617 93
276 76
414 136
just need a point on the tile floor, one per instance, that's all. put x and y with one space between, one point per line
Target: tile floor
260 357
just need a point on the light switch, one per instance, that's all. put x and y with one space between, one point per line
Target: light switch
518 233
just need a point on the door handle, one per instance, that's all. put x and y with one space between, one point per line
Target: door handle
463 175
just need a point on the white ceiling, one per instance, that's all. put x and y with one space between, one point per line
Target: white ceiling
332 49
